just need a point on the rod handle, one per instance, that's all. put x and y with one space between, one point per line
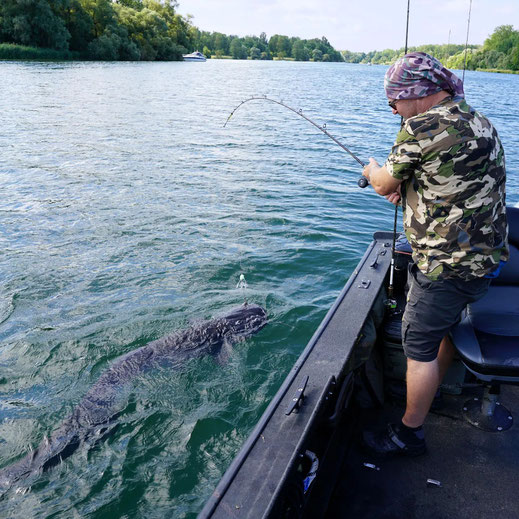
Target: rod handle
362 182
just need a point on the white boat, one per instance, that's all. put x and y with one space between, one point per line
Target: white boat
194 56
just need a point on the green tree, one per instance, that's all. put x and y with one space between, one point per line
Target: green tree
317 55
273 44
299 51
503 39
102 14
514 58
352 57
135 29
286 46
501 48
255 53
177 26
280 46
150 32
235 48
492 59
134 4
458 61
33 22
106 47
80 26
222 43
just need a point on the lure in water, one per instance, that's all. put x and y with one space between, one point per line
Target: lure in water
362 182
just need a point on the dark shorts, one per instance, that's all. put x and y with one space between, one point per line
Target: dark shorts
432 309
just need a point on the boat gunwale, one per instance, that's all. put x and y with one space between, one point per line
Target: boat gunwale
233 469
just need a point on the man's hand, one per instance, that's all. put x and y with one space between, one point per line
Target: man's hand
370 168
380 179
394 197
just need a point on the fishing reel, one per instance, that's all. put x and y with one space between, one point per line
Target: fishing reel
362 182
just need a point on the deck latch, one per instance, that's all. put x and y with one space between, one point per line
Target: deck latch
298 397
364 283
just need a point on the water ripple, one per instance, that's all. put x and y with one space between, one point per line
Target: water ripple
130 212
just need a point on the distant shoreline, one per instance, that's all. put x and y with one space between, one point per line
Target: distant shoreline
15 52
219 58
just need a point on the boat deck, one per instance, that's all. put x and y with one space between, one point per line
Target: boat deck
478 470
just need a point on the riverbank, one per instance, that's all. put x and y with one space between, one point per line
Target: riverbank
11 51
275 58
498 70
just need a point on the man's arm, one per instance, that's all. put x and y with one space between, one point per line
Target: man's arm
383 183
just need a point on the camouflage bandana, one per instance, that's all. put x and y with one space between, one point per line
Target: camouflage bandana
419 75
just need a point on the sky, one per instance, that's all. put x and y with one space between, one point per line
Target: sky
356 25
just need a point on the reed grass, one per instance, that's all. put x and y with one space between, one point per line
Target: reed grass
12 51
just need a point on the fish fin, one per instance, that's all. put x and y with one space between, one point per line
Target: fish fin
224 354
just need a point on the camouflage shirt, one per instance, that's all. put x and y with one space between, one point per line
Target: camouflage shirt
453 195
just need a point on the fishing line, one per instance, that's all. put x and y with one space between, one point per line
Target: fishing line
466 43
362 181
391 302
407 27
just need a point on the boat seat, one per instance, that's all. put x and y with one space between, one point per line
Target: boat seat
487 337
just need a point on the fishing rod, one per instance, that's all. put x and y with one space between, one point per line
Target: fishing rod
361 182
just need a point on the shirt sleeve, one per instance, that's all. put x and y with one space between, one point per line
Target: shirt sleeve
405 155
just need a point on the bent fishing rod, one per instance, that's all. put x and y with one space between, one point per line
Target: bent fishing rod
362 182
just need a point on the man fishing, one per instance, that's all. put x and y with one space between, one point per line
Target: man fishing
447 168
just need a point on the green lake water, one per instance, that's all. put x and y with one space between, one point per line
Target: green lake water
127 212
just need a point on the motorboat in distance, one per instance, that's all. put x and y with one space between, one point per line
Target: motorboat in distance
194 56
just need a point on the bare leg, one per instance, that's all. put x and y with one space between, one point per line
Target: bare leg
445 356
423 379
422 384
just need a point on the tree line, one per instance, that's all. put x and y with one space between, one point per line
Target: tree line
153 30
95 29
132 30
500 51
216 44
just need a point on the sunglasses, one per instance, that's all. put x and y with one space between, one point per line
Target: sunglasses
393 103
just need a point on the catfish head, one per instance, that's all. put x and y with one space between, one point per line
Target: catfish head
245 320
